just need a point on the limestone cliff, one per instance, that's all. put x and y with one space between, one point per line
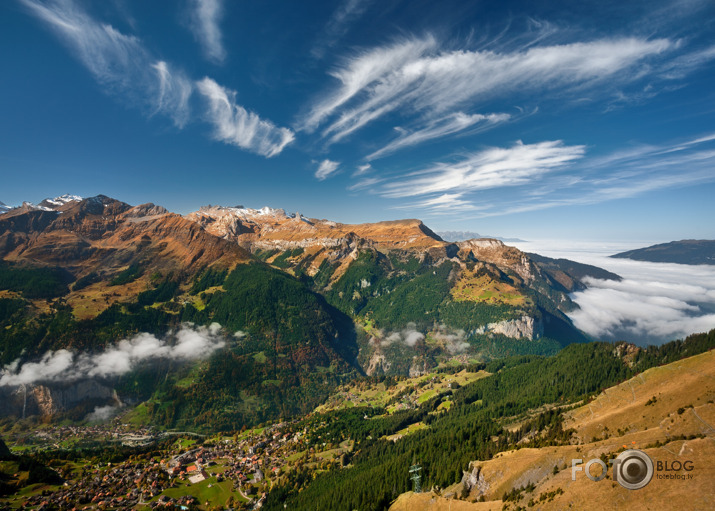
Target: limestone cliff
523 327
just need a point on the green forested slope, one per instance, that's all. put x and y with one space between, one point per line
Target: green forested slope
472 429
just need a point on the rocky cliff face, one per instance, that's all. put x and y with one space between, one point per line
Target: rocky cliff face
269 228
473 480
378 364
523 327
503 256
50 399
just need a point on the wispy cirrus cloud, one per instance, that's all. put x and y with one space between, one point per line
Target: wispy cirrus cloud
174 92
338 25
621 174
363 169
445 204
126 69
235 125
441 127
418 76
358 72
367 182
205 20
495 167
326 168
119 62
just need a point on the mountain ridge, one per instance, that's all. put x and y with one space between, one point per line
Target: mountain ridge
314 301
681 252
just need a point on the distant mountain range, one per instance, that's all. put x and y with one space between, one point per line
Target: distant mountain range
468 235
305 303
49 204
682 252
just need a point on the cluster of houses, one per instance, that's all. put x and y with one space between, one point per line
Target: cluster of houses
247 466
119 486
54 435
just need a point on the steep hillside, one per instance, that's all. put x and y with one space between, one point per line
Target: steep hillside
301 304
526 407
666 411
682 252
399 277
569 274
90 273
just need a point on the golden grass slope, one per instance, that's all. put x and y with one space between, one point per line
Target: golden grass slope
683 408
484 288
412 391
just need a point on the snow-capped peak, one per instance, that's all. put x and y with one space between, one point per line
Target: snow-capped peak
63 199
53 204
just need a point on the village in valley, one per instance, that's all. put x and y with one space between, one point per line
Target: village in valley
236 471
169 469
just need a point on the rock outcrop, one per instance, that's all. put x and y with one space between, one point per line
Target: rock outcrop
523 327
49 399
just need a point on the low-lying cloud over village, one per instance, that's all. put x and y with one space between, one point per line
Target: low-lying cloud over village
190 342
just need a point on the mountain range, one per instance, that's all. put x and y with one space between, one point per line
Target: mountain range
305 303
682 252
337 357
468 235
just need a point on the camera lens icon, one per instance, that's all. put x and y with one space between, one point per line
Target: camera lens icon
633 469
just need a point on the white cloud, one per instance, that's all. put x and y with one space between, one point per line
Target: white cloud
363 169
103 413
124 67
453 340
448 125
408 336
576 181
365 183
654 303
687 63
447 203
174 93
117 61
634 309
205 20
235 125
418 76
189 343
360 71
338 25
326 168
490 168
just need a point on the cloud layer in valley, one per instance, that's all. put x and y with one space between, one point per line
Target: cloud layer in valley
645 309
188 343
654 303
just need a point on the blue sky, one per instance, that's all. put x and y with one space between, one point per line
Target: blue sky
589 120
